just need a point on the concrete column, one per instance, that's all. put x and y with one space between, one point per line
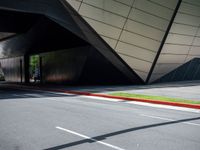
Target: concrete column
26 68
40 64
21 71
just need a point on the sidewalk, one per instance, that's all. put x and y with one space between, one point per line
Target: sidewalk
185 90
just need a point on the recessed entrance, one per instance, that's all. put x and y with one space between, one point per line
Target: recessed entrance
35 69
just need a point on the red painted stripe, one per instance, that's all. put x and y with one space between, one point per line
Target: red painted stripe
132 99
118 97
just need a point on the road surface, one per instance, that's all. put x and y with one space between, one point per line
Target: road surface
36 120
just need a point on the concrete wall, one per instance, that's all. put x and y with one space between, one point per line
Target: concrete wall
13 69
63 66
81 65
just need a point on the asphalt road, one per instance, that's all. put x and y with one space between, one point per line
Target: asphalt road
35 120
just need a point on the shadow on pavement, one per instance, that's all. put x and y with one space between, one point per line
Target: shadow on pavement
110 88
20 93
102 137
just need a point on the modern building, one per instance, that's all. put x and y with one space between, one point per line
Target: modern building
101 41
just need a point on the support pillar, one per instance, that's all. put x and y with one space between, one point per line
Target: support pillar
40 64
26 69
21 71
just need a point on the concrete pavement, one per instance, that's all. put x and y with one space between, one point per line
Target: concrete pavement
186 90
46 120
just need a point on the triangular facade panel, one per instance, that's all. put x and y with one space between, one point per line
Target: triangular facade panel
133 28
183 40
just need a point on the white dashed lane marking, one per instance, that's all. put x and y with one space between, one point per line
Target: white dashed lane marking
89 138
168 119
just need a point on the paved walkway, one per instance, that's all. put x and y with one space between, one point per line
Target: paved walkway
174 90
186 90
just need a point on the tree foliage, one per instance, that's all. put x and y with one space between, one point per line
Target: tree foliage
34 62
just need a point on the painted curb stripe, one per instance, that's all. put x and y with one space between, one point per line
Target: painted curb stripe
115 97
133 99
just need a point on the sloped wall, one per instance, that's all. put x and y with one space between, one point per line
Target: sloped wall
133 28
183 41
185 72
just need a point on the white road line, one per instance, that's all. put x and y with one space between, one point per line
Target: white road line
87 137
144 104
194 124
102 98
164 106
167 119
156 117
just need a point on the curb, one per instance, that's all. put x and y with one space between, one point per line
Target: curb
193 106
131 99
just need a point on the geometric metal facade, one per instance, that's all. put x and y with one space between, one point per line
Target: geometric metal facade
188 71
183 40
141 40
135 29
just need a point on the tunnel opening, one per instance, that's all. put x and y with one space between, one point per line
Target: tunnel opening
64 52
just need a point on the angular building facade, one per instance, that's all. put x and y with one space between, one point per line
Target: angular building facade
101 41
